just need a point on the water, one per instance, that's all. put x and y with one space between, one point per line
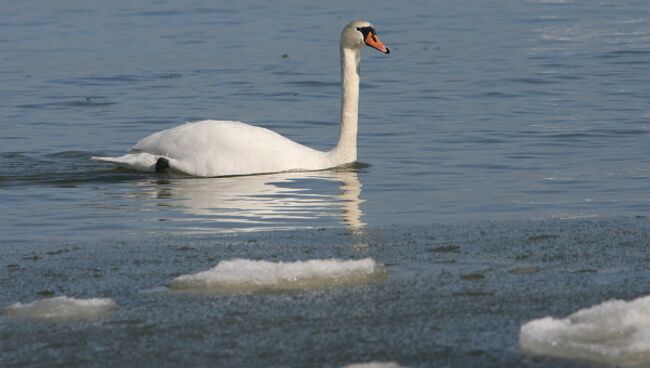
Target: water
513 111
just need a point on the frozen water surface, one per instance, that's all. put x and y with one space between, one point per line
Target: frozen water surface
451 295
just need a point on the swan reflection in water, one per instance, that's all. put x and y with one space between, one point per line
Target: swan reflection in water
281 201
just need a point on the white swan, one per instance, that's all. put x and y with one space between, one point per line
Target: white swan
227 148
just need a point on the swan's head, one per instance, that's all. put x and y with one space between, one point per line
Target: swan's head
361 33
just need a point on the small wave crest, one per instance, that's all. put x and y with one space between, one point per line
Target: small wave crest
374 365
61 308
243 275
615 332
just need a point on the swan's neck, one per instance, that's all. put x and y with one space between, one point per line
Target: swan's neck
346 148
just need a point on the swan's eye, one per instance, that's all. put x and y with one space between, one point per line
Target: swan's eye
366 30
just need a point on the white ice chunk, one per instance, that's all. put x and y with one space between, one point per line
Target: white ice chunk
243 275
615 332
62 308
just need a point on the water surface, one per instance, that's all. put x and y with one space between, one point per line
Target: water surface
533 109
483 113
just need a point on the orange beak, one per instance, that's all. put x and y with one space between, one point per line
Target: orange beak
373 41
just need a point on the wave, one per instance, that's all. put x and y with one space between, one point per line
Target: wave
374 365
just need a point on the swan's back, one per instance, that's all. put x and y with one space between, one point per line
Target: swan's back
221 148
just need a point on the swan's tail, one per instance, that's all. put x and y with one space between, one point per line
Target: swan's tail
141 161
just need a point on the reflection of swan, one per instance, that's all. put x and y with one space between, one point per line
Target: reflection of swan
222 148
264 202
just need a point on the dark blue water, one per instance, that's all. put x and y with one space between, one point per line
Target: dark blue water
499 111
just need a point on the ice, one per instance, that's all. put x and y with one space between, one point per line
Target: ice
243 275
61 308
615 332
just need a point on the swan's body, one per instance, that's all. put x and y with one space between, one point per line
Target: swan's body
224 148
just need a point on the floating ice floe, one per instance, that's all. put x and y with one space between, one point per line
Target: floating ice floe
615 332
243 275
61 308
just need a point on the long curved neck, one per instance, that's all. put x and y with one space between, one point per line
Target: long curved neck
346 147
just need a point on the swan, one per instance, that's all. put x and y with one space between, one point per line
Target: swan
211 148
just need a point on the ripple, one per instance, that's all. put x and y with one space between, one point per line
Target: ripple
59 169
531 80
316 84
374 365
619 53
158 13
85 102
